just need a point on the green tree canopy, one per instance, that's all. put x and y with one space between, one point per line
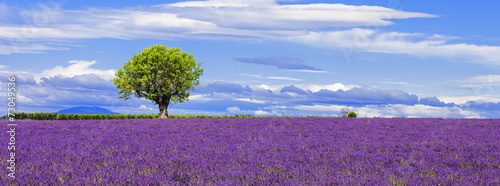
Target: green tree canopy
160 75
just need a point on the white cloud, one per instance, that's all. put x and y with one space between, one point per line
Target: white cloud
166 20
250 100
272 77
393 82
50 94
223 3
202 97
394 110
109 23
293 94
144 107
76 68
252 75
273 88
274 107
17 47
75 85
311 87
481 79
313 71
260 112
460 100
269 15
263 19
266 113
23 99
321 108
130 23
332 87
414 44
417 110
172 111
285 78
233 110
430 111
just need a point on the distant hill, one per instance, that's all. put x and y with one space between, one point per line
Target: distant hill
85 110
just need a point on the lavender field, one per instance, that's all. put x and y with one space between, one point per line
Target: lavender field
257 151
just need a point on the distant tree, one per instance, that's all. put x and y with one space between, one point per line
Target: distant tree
160 75
344 112
352 114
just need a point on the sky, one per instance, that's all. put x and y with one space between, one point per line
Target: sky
382 58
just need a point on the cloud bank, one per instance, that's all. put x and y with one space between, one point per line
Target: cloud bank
49 91
79 84
57 92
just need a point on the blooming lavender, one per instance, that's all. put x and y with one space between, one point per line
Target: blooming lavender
257 151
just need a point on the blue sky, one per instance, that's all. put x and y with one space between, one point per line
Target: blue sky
381 58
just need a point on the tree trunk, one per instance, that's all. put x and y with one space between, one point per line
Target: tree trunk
163 110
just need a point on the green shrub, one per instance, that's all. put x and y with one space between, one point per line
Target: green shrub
352 114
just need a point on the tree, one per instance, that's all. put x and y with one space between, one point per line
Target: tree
344 112
352 114
160 75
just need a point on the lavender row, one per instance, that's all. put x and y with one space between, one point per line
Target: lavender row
257 151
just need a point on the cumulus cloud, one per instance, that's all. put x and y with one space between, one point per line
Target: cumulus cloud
21 77
266 113
365 95
332 87
486 109
293 89
334 93
202 97
144 107
392 110
233 110
292 95
434 101
259 112
250 100
460 100
293 100
320 108
75 85
221 86
23 99
75 69
78 82
229 98
418 110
